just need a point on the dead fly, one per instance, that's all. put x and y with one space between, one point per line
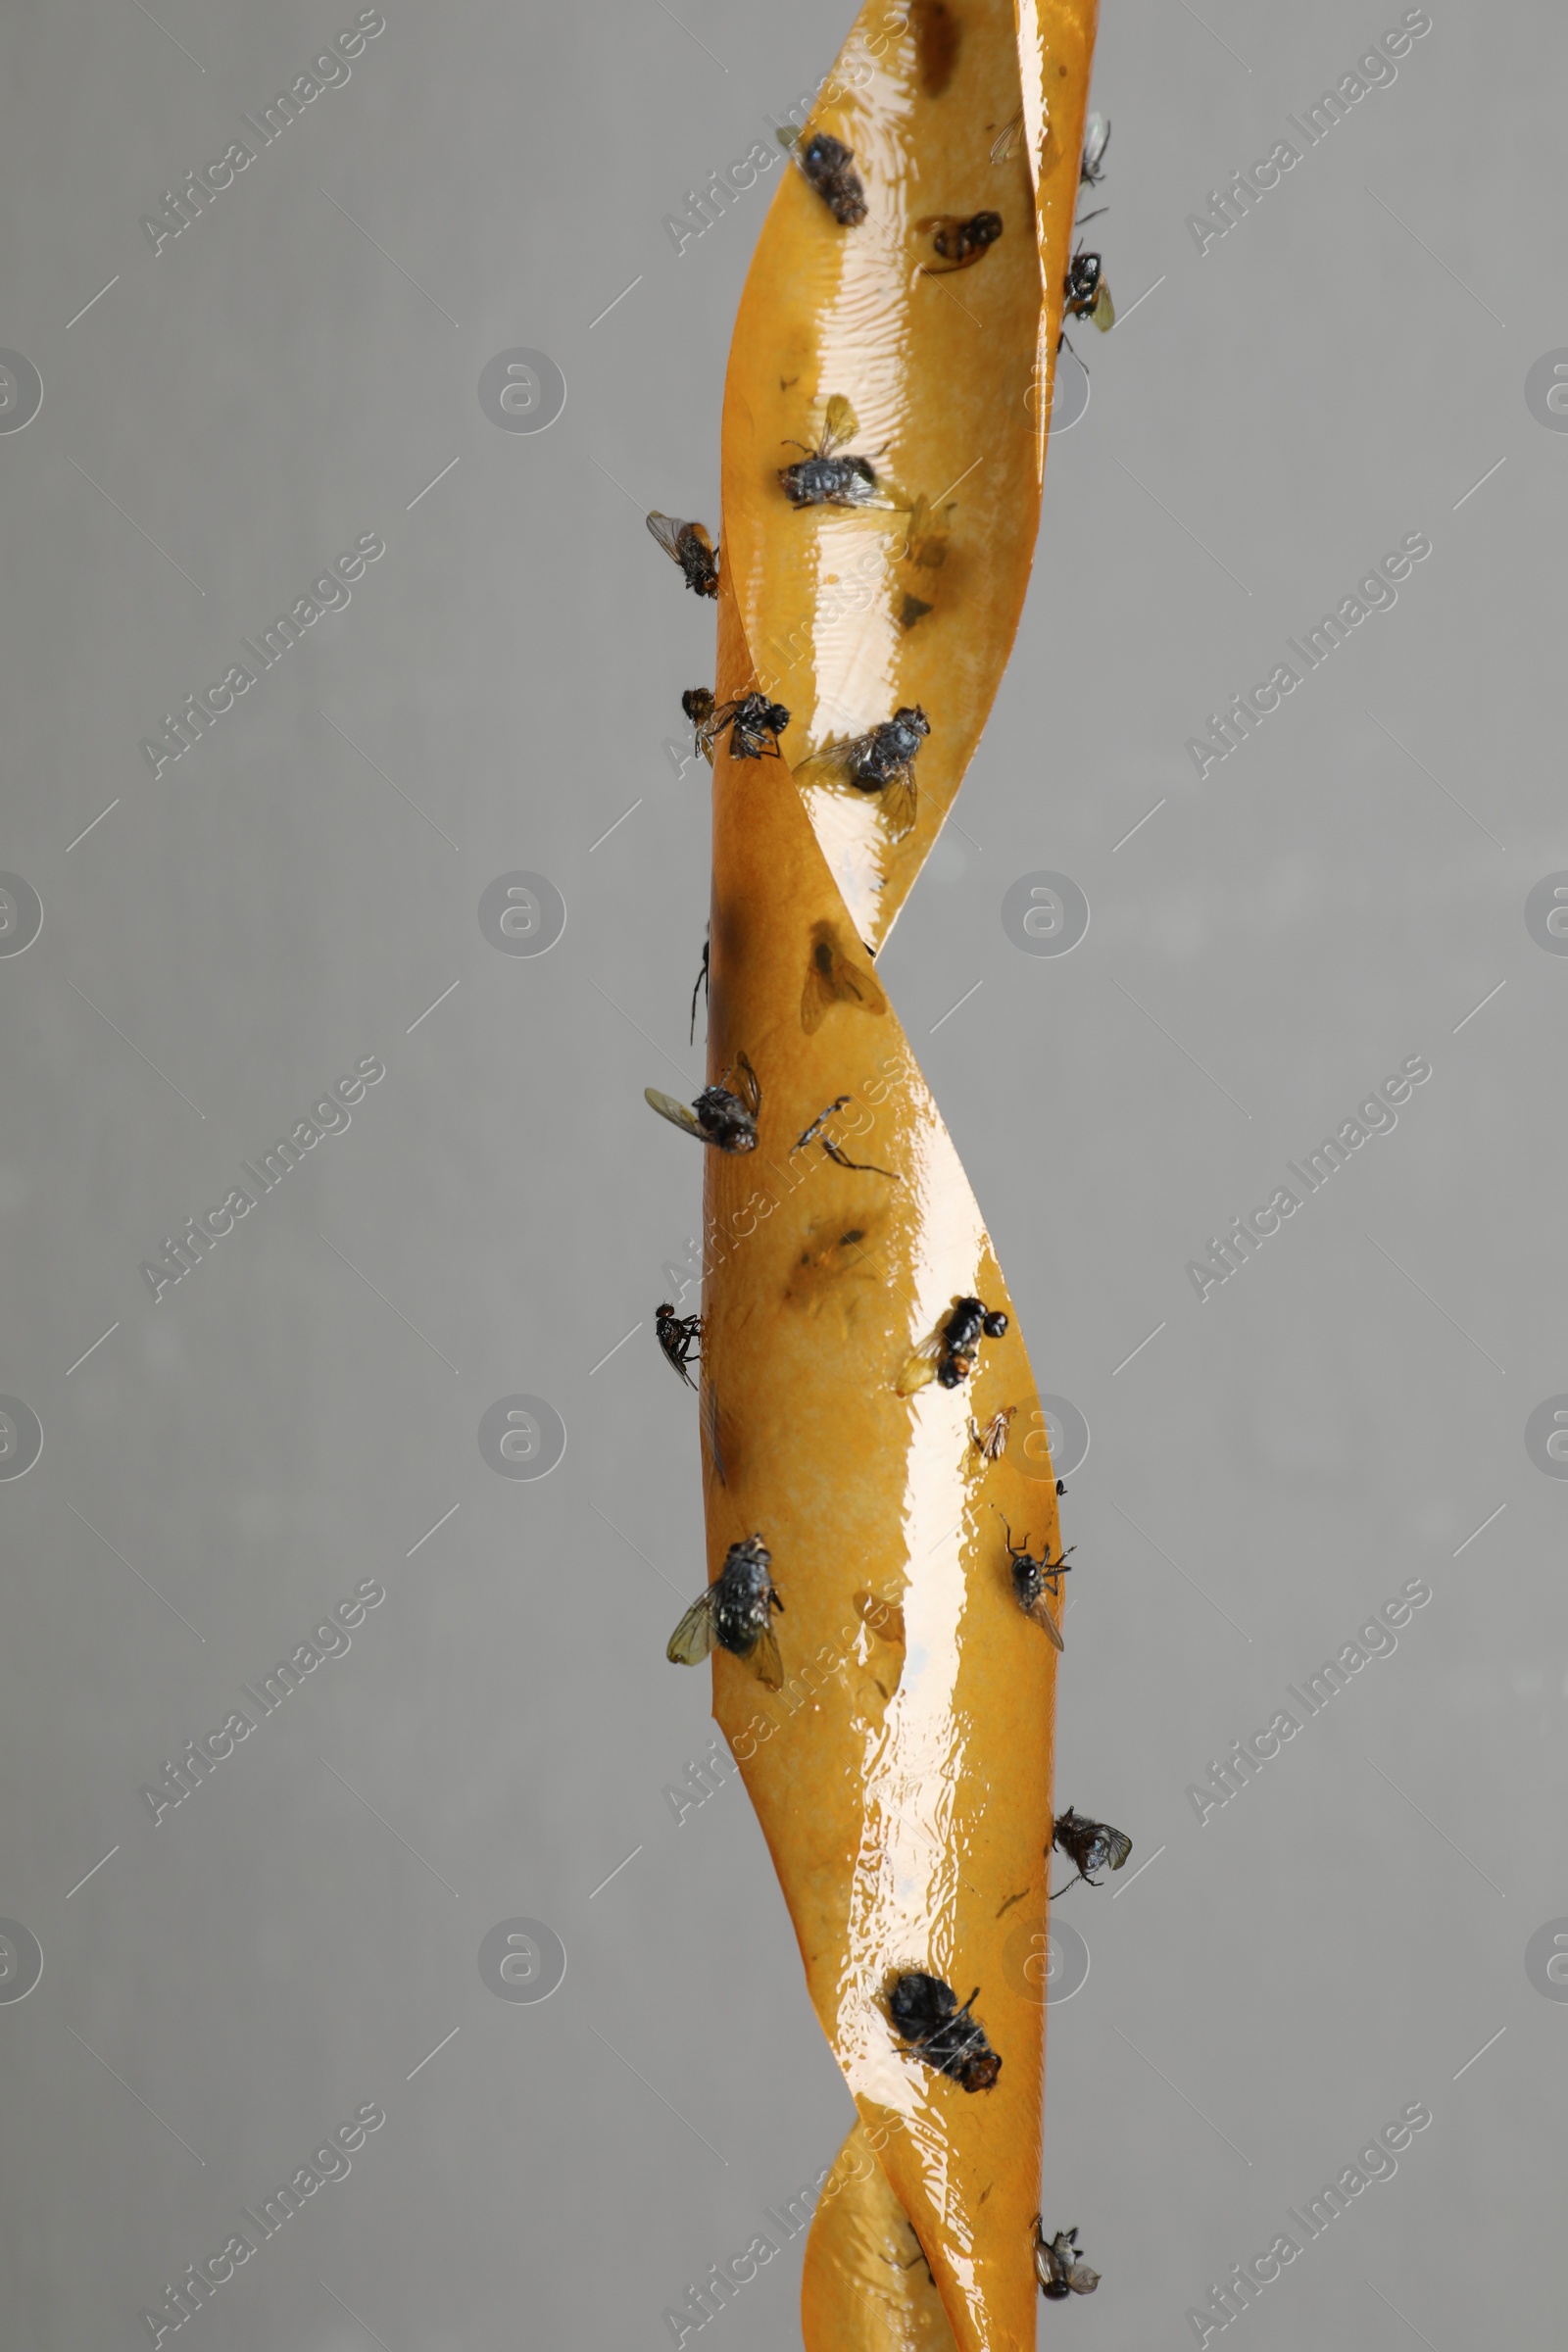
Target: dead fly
948 1355
701 982
680 1337
829 167
927 2014
688 545
1087 295
991 1443
825 478
832 979
1091 1844
959 242
755 723
1060 2267
735 1613
1033 1579
836 1151
727 1121
882 759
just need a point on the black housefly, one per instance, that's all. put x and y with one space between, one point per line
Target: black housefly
755 723
735 1613
829 167
926 2012
726 1120
1091 1844
688 545
1033 1579
836 1151
948 1355
882 759
680 1337
1060 2267
823 477
960 1332
960 242
1087 294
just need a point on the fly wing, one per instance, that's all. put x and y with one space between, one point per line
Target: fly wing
840 760
1118 1849
764 1661
927 540
838 763
1103 316
710 728
998 1433
884 1617
748 1085
666 529
695 1636
900 798
921 1367
1040 1611
1006 145
679 1115
840 423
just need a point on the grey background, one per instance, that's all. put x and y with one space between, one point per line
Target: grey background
296 1938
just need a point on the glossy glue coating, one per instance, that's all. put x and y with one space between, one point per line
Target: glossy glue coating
904 1785
903 1775
948 374
862 2258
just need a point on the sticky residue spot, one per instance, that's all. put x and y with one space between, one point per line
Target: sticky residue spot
937 36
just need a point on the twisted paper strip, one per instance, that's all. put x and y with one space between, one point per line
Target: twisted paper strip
903 1778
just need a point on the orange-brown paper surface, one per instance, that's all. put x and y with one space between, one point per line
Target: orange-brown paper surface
902 1777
